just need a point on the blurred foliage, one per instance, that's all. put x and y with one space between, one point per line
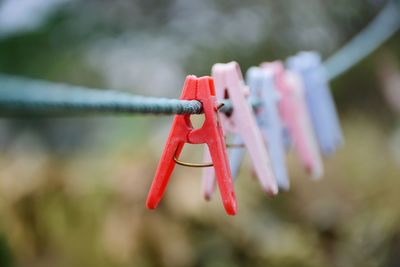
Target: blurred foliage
87 209
72 190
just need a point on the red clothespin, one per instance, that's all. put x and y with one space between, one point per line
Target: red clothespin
182 131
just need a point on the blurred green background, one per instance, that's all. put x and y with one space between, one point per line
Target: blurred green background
73 190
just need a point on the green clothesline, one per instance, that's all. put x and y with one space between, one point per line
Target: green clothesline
28 96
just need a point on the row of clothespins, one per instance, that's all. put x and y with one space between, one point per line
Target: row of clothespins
296 109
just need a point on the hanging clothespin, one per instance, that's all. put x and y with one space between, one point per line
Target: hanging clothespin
262 87
182 131
319 100
229 84
295 115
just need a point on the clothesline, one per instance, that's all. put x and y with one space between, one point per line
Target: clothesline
24 95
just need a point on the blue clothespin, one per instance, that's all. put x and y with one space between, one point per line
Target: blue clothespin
262 87
319 100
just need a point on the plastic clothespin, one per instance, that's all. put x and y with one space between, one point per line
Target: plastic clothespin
295 115
262 87
261 84
182 131
229 84
319 100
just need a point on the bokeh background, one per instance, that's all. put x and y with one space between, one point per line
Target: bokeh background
73 189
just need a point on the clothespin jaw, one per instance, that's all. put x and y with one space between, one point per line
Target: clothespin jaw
319 100
229 84
262 87
182 131
294 113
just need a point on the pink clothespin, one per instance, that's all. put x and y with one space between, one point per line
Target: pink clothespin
295 115
229 84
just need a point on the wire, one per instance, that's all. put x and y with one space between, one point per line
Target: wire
374 35
28 96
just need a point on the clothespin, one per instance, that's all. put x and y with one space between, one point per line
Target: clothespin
262 87
319 100
229 84
295 115
182 131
